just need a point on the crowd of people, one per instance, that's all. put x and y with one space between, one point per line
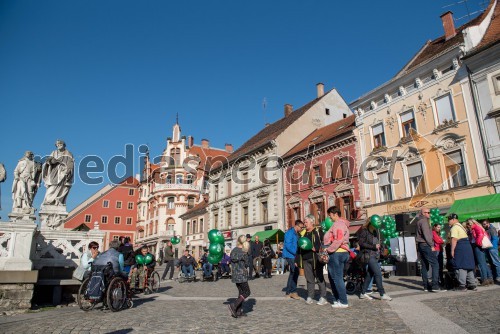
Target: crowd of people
469 248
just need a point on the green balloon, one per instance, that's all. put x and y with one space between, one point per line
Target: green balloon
213 258
175 240
305 243
376 221
215 249
215 236
148 259
326 224
139 259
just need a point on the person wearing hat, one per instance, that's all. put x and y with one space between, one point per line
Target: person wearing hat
462 257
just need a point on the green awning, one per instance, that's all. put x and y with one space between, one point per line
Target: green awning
271 235
479 208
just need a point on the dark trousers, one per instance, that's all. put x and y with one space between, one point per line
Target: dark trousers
373 271
439 256
291 285
170 265
428 259
250 267
268 265
243 289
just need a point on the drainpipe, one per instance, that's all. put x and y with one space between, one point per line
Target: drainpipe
476 111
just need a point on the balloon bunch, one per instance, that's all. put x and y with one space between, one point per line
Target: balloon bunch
389 229
216 247
326 224
175 240
437 219
144 259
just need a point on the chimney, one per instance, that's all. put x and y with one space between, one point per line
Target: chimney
320 88
229 148
448 25
205 143
190 141
288 109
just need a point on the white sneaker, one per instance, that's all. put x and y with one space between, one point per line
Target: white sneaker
340 305
309 300
385 297
369 292
322 301
365 296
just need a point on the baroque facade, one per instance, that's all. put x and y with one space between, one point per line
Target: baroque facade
246 192
172 184
418 132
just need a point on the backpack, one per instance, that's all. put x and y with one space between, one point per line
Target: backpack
96 286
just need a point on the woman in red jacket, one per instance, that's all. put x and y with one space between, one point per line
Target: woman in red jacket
476 235
438 250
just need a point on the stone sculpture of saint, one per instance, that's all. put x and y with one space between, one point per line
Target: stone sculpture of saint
26 182
58 175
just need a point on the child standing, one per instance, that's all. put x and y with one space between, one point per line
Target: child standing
239 264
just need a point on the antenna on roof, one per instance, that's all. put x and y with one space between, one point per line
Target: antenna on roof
264 106
466 4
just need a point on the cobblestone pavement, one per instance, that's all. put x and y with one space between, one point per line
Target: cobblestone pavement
200 307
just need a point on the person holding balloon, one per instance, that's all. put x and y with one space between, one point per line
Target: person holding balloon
239 265
143 259
309 246
369 244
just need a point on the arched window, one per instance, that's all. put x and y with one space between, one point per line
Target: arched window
168 179
179 178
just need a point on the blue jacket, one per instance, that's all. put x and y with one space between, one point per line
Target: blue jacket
290 245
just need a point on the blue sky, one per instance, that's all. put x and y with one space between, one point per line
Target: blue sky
101 74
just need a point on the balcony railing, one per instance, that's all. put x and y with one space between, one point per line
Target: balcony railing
176 186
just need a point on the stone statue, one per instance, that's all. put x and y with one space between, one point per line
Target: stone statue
58 175
26 182
3 176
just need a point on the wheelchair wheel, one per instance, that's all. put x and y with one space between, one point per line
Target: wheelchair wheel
116 294
154 282
84 303
350 287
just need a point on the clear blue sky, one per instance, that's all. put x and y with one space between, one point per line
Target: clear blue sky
100 74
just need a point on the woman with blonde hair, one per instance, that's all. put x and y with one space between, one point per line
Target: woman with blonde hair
476 238
239 265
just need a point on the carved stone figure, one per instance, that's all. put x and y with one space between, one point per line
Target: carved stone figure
26 182
58 175
3 176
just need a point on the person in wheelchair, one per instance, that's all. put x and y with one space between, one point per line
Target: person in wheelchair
205 265
226 260
113 257
138 272
187 264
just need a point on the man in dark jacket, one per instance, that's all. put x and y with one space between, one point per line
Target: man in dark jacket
250 259
257 260
168 258
425 246
187 263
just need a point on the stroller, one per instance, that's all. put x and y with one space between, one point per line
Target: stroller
354 277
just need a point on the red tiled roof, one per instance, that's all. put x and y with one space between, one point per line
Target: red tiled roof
213 155
270 132
324 134
492 35
440 45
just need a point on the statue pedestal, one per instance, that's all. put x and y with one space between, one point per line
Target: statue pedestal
53 217
22 214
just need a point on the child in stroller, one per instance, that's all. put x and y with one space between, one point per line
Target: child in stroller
354 277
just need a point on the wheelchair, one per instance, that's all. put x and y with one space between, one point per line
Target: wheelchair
151 281
183 278
104 285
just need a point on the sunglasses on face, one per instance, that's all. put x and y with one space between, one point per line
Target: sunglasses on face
95 247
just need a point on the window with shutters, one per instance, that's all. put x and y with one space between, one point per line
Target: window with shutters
245 215
444 109
385 191
407 123
455 170
378 135
416 180
347 206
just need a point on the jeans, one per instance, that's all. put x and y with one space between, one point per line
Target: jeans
373 272
492 256
439 257
280 264
336 265
188 271
481 263
370 284
207 269
291 285
170 266
225 268
428 259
